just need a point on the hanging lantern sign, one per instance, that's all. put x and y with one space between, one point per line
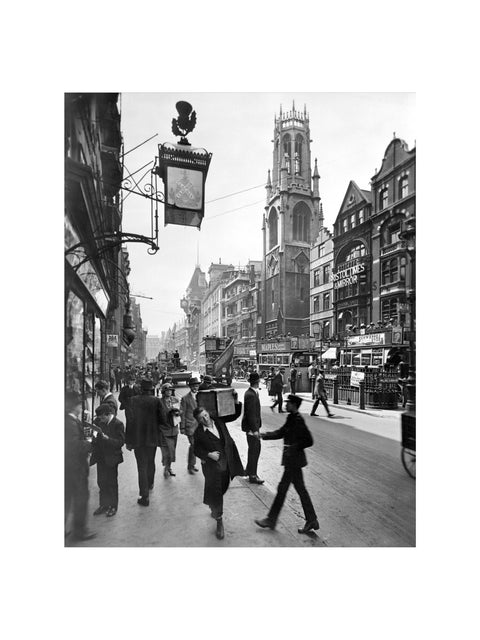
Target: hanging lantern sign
183 170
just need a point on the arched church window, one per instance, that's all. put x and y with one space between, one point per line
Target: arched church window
301 222
287 152
273 228
298 153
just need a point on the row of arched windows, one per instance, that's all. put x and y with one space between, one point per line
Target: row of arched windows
300 224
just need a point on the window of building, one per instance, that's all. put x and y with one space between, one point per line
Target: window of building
273 295
352 221
390 310
273 228
403 187
358 251
326 274
298 153
383 198
301 222
403 268
326 301
316 304
394 233
345 225
316 278
326 329
390 271
361 216
321 251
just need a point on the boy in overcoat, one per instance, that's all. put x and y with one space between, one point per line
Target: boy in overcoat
107 455
296 438
221 462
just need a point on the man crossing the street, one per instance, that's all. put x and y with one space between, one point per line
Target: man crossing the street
320 395
296 437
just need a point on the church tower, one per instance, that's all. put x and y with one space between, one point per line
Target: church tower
291 222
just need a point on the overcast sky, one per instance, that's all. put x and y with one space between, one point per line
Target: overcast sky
350 132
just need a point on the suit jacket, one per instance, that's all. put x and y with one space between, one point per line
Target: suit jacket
205 442
145 413
296 437
277 384
188 424
252 417
167 426
109 451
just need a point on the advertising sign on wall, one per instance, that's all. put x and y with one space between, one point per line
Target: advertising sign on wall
356 377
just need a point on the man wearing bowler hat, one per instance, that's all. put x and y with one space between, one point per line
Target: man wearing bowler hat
145 413
296 437
251 423
188 424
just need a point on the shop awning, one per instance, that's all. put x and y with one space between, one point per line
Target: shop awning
330 354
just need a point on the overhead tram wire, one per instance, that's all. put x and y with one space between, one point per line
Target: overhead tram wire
236 193
245 206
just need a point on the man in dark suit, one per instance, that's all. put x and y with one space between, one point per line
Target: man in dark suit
276 389
107 455
77 449
188 424
251 423
221 462
296 438
103 392
145 413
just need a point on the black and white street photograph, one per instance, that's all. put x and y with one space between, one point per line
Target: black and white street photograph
223 319
240 325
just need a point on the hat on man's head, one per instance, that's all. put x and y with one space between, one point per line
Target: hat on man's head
146 384
296 400
166 386
72 398
193 381
253 377
207 378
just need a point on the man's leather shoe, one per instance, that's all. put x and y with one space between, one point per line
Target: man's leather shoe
99 511
312 524
195 469
314 414
265 523
144 502
255 480
87 535
191 471
220 533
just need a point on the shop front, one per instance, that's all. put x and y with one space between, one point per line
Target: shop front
86 304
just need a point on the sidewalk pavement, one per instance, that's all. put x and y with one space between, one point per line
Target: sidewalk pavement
177 516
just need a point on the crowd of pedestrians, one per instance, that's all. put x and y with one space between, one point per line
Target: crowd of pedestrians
153 422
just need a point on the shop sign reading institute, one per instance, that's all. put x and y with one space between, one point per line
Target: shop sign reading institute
344 277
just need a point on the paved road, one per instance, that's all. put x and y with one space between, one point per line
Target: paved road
360 490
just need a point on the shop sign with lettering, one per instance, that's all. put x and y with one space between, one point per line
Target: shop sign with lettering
369 338
356 377
275 347
344 277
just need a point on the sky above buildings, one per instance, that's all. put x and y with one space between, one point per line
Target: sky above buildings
349 132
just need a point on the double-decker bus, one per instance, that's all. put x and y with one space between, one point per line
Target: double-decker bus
216 359
283 352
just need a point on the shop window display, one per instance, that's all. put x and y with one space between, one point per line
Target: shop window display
74 343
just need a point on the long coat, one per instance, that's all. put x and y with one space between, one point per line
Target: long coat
188 425
109 451
205 442
252 417
167 425
296 437
145 413
276 386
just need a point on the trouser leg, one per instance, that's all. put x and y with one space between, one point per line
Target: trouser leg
151 452
280 497
254 447
191 460
103 484
141 455
111 486
324 402
217 491
315 405
299 484
80 504
279 401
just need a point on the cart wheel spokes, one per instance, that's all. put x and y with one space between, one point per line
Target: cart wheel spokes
408 461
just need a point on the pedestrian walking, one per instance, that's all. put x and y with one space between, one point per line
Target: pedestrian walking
312 376
320 395
169 428
293 378
221 462
156 379
118 378
77 449
270 377
188 424
296 437
111 377
251 424
145 414
105 395
107 455
277 387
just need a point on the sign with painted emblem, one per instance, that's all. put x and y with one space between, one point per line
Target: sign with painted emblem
356 377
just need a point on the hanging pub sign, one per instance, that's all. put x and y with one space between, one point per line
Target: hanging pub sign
183 170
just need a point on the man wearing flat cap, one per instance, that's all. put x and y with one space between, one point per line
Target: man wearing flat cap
251 423
188 424
296 437
102 390
145 414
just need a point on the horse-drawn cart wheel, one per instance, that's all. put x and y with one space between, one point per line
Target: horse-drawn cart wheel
408 461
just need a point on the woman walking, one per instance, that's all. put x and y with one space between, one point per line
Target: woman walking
169 428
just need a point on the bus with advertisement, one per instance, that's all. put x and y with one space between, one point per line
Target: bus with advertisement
283 352
216 359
